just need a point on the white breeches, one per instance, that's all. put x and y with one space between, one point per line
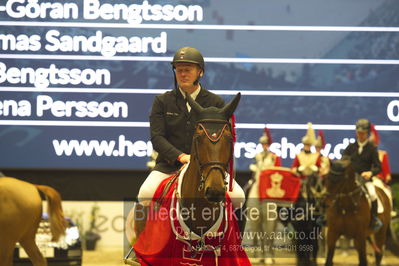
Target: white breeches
371 189
149 186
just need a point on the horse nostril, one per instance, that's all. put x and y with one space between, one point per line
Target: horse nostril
213 195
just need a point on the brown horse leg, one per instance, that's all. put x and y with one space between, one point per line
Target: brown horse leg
6 253
360 245
34 253
29 244
332 238
380 238
378 258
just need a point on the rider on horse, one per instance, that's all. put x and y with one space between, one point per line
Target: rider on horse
364 157
172 124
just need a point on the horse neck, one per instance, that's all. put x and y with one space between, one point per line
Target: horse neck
347 185
194 200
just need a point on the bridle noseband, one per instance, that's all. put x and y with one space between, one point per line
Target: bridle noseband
213 129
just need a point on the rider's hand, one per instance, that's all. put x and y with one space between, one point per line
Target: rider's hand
301 168
314 168
367 175
184 158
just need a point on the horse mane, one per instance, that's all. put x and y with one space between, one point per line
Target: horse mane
58 224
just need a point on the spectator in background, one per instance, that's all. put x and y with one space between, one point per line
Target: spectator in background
307 162
385 174
324 160
263 160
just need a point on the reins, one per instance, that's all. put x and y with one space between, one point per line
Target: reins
357 191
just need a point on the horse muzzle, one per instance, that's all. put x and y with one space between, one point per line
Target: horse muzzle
215 195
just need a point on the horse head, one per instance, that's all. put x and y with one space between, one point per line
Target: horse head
339 170
342 176
212 147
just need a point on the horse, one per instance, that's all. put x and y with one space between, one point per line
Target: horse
205 230
21 212
348 213
317 190
307 208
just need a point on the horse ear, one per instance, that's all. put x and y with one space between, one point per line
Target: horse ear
229 108
196 107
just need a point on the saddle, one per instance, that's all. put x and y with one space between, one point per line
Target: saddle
378 183
385 188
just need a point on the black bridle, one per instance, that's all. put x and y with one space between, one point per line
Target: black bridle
213 129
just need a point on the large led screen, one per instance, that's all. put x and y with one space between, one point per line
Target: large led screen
77 78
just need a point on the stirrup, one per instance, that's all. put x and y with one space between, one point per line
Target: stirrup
131 259
376 224
132 262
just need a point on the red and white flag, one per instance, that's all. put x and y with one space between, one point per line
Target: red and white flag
279 183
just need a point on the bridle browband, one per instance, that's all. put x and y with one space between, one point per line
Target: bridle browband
214 137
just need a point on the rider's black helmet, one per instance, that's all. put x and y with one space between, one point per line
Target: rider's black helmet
189 55
363 125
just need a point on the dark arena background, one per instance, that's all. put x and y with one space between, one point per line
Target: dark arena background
78 78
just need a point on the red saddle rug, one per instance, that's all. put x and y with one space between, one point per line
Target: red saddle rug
159 244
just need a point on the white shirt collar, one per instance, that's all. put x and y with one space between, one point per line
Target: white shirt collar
361 145
193 95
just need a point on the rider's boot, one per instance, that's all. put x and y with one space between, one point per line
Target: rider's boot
375 222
